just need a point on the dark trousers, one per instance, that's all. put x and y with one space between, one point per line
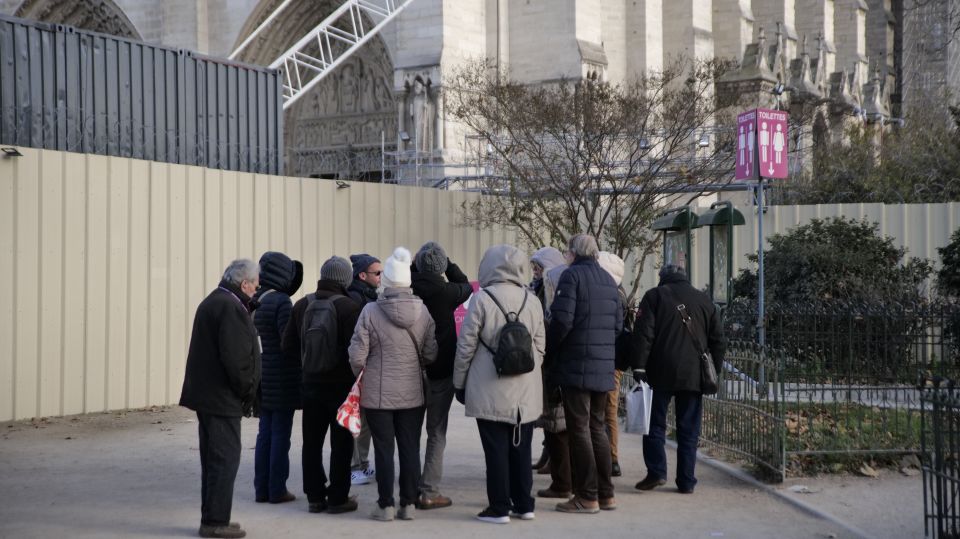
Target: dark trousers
689 407
219 461
271 461
558 447
590 462
506 449
319 415
402 426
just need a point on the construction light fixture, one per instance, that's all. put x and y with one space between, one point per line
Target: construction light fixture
644 144
778 89
704 141
10 151
404 136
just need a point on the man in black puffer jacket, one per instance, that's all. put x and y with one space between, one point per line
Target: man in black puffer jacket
669 356
324 393
586 317
442 297
280 278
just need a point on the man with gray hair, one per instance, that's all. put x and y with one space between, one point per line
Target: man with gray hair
668 358
585 318
220 384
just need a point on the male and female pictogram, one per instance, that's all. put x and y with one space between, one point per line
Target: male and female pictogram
761 144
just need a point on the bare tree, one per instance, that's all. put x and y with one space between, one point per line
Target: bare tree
591 156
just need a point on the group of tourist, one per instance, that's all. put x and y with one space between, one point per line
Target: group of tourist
542 353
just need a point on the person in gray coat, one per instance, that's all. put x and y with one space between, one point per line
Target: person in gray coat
393 340
505 407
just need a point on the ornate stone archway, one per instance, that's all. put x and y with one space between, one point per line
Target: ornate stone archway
96 15
335 130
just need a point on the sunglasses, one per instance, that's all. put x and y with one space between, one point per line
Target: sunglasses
374 273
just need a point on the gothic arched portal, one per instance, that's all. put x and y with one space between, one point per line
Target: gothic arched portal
335 130
96 15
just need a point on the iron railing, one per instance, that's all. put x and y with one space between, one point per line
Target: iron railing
940 458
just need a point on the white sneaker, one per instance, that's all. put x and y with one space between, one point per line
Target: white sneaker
489 516
383 514
407 512
358 477
370 473
523 516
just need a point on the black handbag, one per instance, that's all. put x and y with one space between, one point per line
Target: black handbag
709 382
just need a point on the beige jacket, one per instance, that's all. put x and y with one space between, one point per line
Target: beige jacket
489 396
382 345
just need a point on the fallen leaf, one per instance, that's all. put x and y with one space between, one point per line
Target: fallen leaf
867 471
910 472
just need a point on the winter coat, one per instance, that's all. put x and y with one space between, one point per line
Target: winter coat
223 361
551 279
548 258
280 277
662 345
382 345
442 298
340 379
488 395
361 292
585 318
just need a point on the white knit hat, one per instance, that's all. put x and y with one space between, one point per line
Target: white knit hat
613 264
396 270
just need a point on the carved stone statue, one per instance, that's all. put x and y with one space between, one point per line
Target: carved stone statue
422 115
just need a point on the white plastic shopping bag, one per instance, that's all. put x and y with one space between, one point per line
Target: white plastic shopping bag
639 401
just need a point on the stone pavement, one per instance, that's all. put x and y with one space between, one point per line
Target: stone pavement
136 474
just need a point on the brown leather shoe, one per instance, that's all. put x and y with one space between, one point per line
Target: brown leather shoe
549 493
437 502
222 532
578 505
650 483
607 504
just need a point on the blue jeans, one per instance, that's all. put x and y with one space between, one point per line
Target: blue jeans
689 408
272 459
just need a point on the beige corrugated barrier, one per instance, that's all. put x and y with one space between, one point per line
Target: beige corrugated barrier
107 259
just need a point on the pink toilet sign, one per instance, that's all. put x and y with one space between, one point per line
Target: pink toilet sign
761 144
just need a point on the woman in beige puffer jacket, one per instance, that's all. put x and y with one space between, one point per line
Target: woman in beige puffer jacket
506 407
385 346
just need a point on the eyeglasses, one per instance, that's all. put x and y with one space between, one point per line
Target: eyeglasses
374 273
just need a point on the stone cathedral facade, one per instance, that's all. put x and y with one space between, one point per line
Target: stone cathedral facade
853 60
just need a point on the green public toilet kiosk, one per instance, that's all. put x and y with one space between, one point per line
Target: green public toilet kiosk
721 218
677 226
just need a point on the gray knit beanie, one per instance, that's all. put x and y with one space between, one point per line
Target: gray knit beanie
431 258
338 270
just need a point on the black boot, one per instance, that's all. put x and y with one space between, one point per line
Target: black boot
544 459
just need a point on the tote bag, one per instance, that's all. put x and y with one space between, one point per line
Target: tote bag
348 415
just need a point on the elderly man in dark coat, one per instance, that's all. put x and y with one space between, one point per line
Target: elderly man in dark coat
667 356
220 384
586 316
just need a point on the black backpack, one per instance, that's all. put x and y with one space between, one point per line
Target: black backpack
514 353
318 336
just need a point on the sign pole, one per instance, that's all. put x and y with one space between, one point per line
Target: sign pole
761 326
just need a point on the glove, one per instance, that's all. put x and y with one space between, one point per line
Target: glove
640 375
461 395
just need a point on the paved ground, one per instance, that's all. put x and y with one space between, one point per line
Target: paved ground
137 474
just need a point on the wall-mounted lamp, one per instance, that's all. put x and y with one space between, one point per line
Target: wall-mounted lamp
10 151
704 141
404 136
778 89
644 144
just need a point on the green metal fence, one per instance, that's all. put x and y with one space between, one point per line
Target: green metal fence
939 450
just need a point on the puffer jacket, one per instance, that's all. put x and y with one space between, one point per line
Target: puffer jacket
489 396
280 278
585 318
383 347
